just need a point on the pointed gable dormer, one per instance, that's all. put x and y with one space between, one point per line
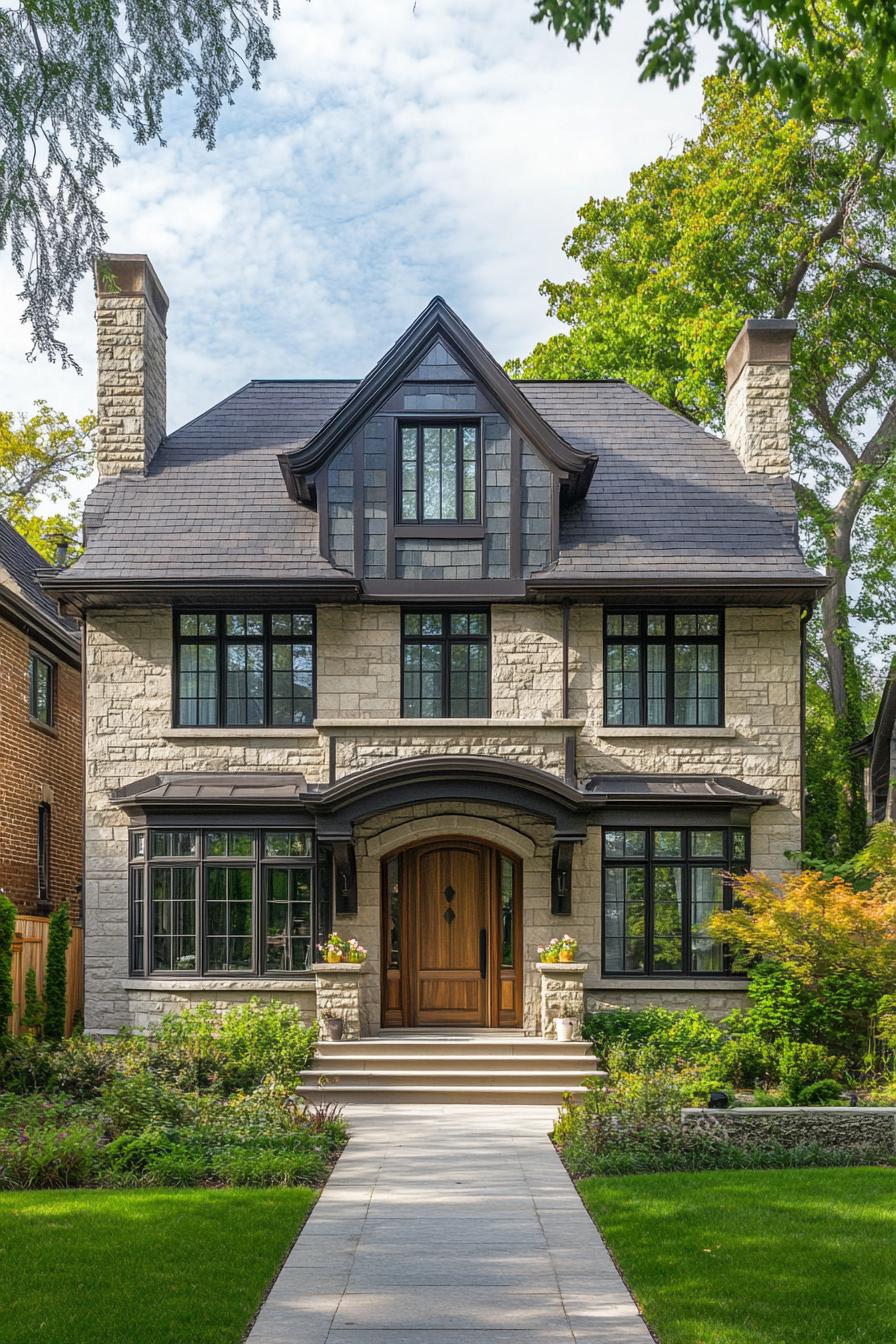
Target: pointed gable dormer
437 473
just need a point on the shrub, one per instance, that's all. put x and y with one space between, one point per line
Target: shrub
33 1015
7 933
58 938
801 1063
236 1049
134 1101
49 1156
671 1037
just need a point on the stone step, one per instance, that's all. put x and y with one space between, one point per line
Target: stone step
422 1047
436 1094
357 1060
424 1077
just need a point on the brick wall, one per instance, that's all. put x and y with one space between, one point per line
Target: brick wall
40 765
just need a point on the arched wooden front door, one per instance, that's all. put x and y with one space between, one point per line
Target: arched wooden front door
452 936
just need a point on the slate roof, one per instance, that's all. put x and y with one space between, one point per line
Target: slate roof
667 501
18 564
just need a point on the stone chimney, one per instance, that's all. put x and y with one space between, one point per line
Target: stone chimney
131 307
757 401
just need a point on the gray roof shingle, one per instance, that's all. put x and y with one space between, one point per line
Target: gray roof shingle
667 499
18 563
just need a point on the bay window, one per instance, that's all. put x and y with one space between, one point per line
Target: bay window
225 901
660 885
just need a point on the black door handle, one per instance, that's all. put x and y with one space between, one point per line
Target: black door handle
483 953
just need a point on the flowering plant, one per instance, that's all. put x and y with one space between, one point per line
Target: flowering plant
559 949
337 948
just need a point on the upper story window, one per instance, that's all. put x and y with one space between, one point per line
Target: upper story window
40 689
439 473
444 664
660 885
663 668
244 668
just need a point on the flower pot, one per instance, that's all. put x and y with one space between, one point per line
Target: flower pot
565 1028
566 955
332 1028
333 958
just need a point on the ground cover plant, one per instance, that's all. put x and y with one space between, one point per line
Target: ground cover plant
207 1099
739 1257
140 1266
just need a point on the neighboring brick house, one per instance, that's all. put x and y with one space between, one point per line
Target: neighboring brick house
451 662
42 774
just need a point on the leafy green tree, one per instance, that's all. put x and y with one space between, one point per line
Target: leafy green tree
41 456
56 977
843 51
72 74
763 216
33 1015
7 932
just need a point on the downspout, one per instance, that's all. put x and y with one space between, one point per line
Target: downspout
569 763
805 615
83 900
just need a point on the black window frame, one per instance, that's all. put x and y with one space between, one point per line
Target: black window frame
220 641
44 853
446 639
668 641
688 862
36 658
458 424
142 863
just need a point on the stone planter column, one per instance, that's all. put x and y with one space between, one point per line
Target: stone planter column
338 985
562 995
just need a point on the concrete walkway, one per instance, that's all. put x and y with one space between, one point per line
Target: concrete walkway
449 1223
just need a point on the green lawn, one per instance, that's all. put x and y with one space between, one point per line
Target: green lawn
141 1266
756 1257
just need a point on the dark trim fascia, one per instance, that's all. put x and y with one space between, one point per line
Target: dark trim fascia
82 593
439 321
40 629
640 593
440 531
185 816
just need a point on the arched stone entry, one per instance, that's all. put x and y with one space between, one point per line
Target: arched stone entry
452 934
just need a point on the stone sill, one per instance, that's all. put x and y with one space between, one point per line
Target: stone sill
251 984
339 967
234 734
561 967
653 733
673 983
443 725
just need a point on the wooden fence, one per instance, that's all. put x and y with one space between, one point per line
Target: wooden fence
29 948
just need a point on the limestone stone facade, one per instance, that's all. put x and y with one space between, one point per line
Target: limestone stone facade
129 736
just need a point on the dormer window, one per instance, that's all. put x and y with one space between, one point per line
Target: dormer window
439 473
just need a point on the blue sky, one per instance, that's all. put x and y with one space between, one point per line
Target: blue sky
397 150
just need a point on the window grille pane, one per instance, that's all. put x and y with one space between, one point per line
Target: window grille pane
228 913
431 623
40 673
432 473
685 625
625 844
138 844
614 625
173 844
624 918
393 871
656 626
708 624
288 919
173 918
229 844
631 624
138 964
505 881
706 897
449 474
409 473
460 623
245 684
708 844
739 845
668 844
668 885
287 844
470 455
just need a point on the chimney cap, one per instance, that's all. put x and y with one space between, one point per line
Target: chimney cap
761 340
132 274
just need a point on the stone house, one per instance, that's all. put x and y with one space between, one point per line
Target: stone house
878 750
451 663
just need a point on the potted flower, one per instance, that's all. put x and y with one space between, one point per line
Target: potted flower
335 949
559 949
356 952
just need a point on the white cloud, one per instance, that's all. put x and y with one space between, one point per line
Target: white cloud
395 151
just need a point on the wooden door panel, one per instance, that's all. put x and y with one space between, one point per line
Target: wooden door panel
450 905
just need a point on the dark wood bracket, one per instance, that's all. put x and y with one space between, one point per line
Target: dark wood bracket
561 877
